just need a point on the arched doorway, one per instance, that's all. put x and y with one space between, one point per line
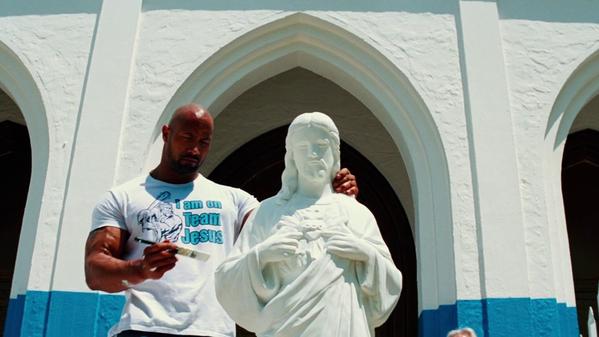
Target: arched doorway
15 173
580 189
256 167
329 50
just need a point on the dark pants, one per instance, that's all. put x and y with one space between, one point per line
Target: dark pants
132 333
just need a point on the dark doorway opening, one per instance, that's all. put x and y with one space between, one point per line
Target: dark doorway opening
256 167
580 189
15 172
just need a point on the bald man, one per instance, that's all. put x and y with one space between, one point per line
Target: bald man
139 226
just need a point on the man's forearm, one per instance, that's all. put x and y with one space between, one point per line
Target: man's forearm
110 274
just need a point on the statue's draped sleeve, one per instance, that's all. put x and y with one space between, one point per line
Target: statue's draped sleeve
242 287
379 279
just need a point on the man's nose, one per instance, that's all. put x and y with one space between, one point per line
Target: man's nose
195 150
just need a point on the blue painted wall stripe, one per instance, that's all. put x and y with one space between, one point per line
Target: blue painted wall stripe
35 314
436 322
502 317
568 320
14 316
546 317
470 313
72 314
86 314
109 312
62 313
507 317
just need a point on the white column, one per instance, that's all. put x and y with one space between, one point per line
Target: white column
493 154
591 324
98 134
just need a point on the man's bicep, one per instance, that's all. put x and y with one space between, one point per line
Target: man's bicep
106 240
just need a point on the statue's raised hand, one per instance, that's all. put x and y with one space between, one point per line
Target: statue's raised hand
279 246
340 241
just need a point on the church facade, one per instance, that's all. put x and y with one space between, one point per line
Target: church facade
472 127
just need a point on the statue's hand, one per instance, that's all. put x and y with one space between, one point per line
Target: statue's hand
343 243
280 246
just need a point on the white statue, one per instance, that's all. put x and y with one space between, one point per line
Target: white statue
310 262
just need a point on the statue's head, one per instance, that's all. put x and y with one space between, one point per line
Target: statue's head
312 152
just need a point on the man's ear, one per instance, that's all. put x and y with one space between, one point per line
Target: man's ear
165 131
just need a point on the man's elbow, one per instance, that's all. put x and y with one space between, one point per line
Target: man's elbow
92 284
91 279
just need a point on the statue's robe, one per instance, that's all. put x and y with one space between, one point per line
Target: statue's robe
315 293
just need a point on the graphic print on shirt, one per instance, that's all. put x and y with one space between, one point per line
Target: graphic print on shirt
202 221
159 222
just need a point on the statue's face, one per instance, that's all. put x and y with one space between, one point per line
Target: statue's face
313 154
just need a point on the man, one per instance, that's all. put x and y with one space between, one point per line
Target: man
165 295
310 262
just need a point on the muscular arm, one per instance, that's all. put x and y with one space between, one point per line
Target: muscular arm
106 270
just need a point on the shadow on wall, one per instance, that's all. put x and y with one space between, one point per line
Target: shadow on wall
32 7
581 11
424 6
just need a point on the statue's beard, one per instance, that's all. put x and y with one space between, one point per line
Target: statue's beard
316 171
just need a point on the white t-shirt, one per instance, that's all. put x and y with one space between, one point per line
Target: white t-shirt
200 215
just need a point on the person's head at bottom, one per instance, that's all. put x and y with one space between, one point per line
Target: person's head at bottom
464 332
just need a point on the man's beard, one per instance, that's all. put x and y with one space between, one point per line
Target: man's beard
181 168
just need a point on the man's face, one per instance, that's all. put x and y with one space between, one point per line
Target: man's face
187 145
166 208
313 154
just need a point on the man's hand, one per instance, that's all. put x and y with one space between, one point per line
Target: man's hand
106 270
158 259
345 183
279 246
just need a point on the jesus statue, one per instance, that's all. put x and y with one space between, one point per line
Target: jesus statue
310 262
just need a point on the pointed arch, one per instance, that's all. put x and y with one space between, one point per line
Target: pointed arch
579 89
18 83
301 40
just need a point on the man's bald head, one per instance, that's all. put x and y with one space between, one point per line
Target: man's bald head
190 113
187 140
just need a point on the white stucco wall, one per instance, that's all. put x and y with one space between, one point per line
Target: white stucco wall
542 46
422 46
53 44
542 49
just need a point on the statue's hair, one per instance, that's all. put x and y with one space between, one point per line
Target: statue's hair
457 332
289 180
